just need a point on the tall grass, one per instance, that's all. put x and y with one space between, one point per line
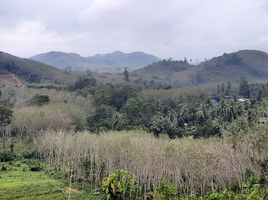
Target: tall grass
28 121
194 166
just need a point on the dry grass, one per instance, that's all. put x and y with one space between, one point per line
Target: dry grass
192 165
28 121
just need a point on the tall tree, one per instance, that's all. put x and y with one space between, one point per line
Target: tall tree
126 74
244 88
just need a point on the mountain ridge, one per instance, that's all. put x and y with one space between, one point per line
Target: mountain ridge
32 71
251 64
116 59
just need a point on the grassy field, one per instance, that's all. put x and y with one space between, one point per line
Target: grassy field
22 184
29 185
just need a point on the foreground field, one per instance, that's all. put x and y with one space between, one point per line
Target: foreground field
17 182
29 185
192 166
134 165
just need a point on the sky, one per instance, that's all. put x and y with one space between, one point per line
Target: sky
195 29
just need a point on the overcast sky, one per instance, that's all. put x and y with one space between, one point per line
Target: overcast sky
195 29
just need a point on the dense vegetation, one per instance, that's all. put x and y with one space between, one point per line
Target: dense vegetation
127 142
31 71
248 63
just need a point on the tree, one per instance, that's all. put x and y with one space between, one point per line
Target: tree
39 100
119 121
140 110
126 74
244 88
5 119
5 114
102 119
222 88
83 82
159 124
229 88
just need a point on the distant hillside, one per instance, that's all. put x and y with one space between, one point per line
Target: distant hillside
98 62
26 70
251 64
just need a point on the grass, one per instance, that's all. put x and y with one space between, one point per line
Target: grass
27 185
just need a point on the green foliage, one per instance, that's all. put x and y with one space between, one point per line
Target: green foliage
31 154
6 156
115 96
244 88
166 191
126 75
39 100
119 186
35 165
102 119
159 124
5 114
83 82
119 121
140 110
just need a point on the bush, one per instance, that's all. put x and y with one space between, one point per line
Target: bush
166 191
31 154
35 165
39 100
6 156
82 83
5 114
119 185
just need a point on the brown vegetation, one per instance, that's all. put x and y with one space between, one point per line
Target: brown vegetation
193 166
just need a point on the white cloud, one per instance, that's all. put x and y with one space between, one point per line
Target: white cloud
171 28
32 36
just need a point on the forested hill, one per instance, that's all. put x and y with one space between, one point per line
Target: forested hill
32 71
97 62
250 64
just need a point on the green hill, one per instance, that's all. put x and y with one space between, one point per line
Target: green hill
98 63
32 71
250 64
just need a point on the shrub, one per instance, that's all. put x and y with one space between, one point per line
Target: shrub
166 191
38 100
34 165
119 185
31 154
82 83
5 114
6 156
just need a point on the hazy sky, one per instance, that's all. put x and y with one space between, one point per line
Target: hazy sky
167 28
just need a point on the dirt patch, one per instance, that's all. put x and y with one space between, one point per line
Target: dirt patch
10 79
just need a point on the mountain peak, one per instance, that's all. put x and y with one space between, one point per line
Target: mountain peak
109 61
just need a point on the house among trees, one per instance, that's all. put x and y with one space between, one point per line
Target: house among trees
242 99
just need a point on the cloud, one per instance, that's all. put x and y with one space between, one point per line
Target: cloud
32 36
171 28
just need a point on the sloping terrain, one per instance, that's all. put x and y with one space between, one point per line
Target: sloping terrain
10 79
250 64
31 71
98 62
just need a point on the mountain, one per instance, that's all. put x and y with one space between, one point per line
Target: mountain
98 62
251 64
25 70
